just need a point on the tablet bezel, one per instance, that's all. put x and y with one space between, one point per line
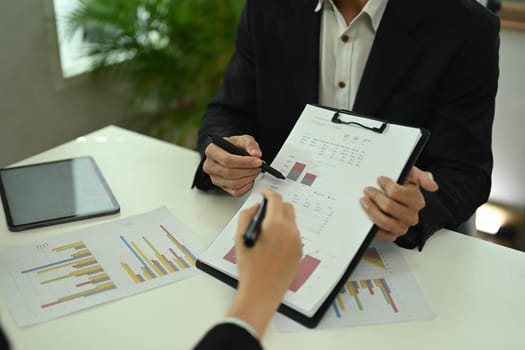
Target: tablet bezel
57 220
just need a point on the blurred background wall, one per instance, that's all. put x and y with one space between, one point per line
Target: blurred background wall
38 108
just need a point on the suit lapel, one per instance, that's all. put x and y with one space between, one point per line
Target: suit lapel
300 33
393 53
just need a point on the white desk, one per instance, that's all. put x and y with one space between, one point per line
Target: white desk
476 288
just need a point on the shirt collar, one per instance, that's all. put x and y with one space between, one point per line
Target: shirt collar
374 9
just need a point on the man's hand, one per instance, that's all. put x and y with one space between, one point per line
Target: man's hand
234 174
267 269
396 208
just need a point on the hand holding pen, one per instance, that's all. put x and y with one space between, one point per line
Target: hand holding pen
234 169
272 261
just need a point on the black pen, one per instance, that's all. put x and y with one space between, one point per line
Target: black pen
254 227
231 148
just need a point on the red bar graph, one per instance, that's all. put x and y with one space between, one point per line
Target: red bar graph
296 171
308 179
306 268
230 256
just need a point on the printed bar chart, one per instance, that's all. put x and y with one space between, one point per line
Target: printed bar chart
351 292
296 171
377 289
188 255
372 256
153 263
78 270
230 256
308 179
306 267
380 290
97 264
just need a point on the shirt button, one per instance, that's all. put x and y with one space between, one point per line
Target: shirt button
345 38
341 84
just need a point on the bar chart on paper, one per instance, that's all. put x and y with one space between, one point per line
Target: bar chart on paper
297 170
365 294
150 261
82 268
380 290
372 293
307 265
73 272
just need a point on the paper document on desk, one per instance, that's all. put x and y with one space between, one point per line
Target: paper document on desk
327 165
380 290
79 269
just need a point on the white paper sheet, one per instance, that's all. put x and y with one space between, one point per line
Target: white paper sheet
75 270
380 290
327 166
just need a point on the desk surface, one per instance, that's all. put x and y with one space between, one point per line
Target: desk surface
475 287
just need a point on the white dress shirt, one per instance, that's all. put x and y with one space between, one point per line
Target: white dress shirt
344 50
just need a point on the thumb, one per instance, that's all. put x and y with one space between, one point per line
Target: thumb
249 144
425 179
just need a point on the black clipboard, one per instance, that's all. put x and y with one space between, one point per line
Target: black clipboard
313 321
425 135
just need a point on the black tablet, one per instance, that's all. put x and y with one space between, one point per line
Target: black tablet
55 192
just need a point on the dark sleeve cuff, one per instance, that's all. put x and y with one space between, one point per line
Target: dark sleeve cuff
201 180
428 224
415 237
4 344
228 336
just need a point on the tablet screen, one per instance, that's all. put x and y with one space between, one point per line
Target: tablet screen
54 192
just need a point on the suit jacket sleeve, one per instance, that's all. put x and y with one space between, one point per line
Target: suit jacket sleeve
232 110
459 151
228 336
4 344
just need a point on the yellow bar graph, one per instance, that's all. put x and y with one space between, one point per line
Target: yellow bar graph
165 262
81 253
69 246
188 255
382 288
82 261
190 259
130 273
103 286
148 274
179 246
351 288
163 255
340 302
98 277
86 270
179 264
150 263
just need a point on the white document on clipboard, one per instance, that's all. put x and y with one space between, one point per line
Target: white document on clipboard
329 157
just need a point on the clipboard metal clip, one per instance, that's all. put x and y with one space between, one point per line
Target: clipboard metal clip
337 120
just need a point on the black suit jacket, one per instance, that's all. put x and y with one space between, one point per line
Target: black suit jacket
432 64
4 344
228 336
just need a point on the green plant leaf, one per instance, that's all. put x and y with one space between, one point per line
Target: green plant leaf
169 53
